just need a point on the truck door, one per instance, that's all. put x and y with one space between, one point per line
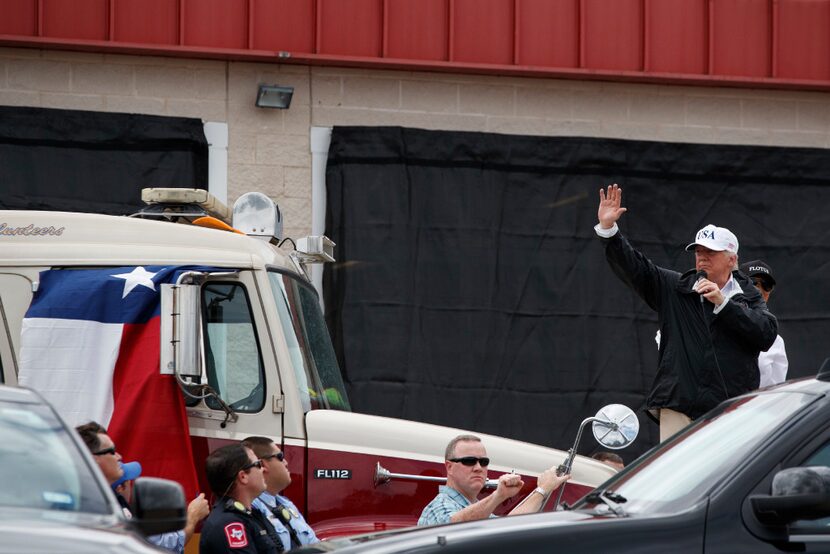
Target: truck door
239 364
15 297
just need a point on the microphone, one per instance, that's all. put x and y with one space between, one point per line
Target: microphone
699 276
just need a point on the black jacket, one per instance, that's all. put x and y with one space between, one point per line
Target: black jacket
230 528
704 357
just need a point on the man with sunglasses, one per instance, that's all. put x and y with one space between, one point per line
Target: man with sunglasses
466 461
109 462
237 477
772 364
280 511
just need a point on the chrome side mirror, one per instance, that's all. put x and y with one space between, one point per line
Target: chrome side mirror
615 426
180 330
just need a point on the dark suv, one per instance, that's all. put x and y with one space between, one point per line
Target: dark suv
53 498
750 476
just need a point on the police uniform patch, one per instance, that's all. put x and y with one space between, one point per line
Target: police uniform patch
235 533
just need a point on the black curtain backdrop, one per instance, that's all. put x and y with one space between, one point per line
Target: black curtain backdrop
95 162
470 288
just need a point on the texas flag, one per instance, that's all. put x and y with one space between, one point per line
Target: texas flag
90 344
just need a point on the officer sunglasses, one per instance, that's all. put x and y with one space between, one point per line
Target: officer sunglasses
280 456
470 461
104 452
246 467
256 463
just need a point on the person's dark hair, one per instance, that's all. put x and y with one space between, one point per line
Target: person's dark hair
450 451
260 445
608 457
222 465
89 434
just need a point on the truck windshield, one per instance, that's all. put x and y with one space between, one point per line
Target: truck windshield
315 366
679 472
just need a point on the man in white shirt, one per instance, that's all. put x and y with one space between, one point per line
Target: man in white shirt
772 364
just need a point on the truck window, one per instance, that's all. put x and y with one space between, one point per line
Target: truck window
232 355
316 371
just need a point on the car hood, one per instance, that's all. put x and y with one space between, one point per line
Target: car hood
419 537
66 532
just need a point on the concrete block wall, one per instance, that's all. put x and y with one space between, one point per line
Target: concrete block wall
269 150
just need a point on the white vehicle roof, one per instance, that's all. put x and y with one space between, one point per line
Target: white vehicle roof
63 238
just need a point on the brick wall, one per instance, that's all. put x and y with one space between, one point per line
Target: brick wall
268 150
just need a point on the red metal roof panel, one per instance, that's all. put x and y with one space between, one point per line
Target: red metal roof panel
481 31
416 29
146 21
803 40
76 19
349 27
612 35
216 23
286 25
19 17
740 34
676 38
547 33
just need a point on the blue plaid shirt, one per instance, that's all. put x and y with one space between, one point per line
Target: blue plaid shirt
443 506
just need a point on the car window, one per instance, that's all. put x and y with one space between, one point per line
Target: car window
232 355
40 466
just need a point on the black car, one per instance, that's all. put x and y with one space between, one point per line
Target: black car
739 479
53 498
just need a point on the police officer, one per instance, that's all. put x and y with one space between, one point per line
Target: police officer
237 477
280 511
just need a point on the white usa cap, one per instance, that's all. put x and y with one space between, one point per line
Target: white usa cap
716 238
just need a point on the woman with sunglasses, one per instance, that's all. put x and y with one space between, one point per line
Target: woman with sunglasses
236 477
772 364
466 461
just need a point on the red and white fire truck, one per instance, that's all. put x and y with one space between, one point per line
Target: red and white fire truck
272 369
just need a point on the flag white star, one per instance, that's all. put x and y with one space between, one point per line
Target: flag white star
138 276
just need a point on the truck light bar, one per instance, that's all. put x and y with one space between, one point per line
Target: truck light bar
181 202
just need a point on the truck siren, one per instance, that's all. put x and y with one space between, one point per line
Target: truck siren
258 216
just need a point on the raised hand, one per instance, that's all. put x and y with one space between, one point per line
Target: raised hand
509 485
550 481
609 206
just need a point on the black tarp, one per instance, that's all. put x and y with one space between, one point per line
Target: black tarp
470 289
95 162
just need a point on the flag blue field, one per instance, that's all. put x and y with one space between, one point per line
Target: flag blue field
90 344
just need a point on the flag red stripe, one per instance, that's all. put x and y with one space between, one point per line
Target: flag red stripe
149 423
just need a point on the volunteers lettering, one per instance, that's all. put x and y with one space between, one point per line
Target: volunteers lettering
29 231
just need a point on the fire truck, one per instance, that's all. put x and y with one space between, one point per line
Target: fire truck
244 335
